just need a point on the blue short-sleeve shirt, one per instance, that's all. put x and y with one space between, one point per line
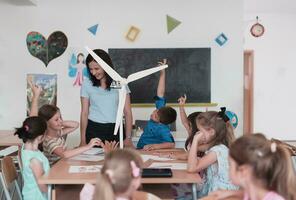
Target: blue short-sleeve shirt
159 102
154 132
103 103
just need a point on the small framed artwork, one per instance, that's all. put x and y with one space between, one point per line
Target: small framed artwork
132 33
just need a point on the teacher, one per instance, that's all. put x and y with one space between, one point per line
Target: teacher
99 103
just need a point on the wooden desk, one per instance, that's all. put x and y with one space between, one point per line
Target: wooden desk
8 139
59 174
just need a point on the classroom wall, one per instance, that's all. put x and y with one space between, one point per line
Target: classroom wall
202 21
274 73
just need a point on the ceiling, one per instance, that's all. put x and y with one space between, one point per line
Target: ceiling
250 6
20 2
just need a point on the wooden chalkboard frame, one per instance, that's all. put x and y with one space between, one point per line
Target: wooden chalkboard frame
140 105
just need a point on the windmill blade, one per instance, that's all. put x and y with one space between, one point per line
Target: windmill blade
111 72
147 72
122 97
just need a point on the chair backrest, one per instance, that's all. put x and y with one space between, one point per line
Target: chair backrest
9 176
8 170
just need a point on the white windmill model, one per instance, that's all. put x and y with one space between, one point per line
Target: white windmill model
122 92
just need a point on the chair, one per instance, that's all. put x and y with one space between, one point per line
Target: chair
9 177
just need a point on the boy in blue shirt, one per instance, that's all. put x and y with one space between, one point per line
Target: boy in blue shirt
157 133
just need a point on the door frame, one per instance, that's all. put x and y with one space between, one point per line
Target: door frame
248 91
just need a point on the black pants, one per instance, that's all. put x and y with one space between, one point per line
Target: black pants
102 131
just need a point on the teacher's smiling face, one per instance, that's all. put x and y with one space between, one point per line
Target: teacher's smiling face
96 70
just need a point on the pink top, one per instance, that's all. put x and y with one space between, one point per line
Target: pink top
87 192
269 196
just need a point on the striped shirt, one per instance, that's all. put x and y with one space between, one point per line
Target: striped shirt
50 144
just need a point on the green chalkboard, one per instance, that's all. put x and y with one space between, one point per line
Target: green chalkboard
189 72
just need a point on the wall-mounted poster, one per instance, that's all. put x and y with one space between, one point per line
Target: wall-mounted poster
77 68
48 83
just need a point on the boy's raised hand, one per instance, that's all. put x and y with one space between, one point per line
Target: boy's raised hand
163 62
161 82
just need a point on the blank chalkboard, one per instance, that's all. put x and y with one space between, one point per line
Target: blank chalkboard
188 72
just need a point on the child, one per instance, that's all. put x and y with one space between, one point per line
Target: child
35 164
54 143
120 176
119 179
157 133
262 168
189 122
229 117
218 135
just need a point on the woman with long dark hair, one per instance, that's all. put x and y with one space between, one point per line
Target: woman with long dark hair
99 103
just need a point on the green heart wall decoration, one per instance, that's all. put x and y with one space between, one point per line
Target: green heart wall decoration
47 50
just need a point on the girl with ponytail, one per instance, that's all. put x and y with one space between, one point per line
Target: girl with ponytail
119 178
262 168
217 133
35 164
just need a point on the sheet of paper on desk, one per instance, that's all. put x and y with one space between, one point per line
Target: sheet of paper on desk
94 151
153 157
85 169
84 157
182 166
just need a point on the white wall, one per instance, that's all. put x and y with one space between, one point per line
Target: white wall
202 21
274 74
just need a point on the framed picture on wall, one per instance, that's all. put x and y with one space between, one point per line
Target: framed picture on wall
48 83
